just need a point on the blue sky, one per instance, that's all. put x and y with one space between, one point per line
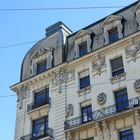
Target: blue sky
25 26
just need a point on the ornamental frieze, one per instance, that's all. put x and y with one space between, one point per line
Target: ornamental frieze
98 64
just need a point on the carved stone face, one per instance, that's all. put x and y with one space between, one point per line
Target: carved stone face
137 85
101 98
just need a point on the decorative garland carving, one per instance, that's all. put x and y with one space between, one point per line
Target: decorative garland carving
22 94
98 64
62 76
137 85
101 98
70 109
132 50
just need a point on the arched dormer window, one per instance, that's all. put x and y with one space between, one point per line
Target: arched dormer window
82 43
112 28
41 61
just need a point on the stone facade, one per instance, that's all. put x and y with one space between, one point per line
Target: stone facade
65 69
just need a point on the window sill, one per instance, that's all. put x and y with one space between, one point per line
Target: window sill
118 78
83 91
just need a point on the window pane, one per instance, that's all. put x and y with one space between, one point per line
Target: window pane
127 135
121 100
117 66
41 67
113 35
83 49
84 82
86 113
41 98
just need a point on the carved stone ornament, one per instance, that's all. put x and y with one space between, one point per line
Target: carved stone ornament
22 94
70 110
101 98
70 75
118 78
98 65
132 50
41 51
137 85
84 91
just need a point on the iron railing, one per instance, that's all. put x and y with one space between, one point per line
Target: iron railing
35 105
43 133
102 113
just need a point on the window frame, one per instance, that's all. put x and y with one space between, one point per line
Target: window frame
88 114
44 123
41 66
121 100
81 82
83 48
113 35
121 135
45 93
119 70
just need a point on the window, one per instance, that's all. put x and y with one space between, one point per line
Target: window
41 67
117 66
126 135
121 100
41 98
84 79
39 128
83 49
86 114
113 35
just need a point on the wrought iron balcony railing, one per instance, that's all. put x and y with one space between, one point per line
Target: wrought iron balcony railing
35 105
102 113
44 133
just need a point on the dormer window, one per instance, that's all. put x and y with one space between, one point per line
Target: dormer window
113 35
82 43
112 28
83 49
41 67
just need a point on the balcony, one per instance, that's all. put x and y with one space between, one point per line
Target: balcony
34 110
103 113
43 135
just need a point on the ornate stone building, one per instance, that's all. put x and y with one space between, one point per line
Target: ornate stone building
83 85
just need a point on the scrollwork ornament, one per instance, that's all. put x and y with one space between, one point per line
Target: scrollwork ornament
137 85
101 98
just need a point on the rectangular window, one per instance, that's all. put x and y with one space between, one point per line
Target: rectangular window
41 98
41 67
86 114
126 135
121 99
39 128
83 49
84 79
113 35
117 66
